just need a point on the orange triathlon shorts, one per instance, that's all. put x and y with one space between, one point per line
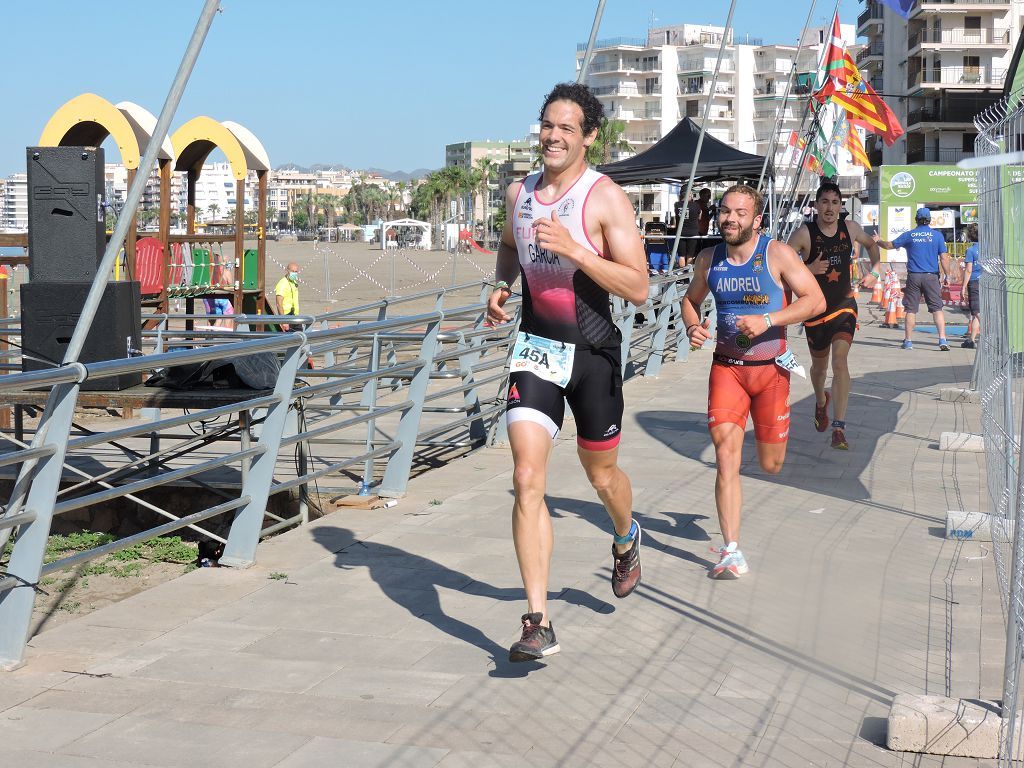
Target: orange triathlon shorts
759 391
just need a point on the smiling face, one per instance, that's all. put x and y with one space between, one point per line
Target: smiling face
737 218
562 137
829 205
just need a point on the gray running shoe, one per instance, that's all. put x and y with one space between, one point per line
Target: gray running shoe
536 642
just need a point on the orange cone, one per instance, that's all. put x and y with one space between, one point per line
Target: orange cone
878 293
890 313
901 313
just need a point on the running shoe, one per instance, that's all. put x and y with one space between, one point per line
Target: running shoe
626 567
839 440
943 345
731 564
821 414
907 344
536 642
968 344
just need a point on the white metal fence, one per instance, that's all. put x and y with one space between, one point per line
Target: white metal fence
1000 379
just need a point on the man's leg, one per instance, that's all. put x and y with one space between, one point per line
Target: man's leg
728 441
940 323
908 325
840 378
531 521
819 371
613 488
975 327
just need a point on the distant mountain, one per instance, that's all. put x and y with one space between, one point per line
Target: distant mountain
419 173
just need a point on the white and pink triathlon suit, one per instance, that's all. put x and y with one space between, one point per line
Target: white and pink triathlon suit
560 302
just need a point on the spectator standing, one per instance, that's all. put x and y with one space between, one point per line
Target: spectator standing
971 297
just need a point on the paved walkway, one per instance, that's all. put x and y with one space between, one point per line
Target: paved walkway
386 643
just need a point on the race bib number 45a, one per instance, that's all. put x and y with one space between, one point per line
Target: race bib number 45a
544 358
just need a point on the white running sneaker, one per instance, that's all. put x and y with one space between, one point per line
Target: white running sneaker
731 564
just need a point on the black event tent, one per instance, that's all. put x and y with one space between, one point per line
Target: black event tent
672 158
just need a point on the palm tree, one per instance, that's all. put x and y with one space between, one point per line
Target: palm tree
611 137
214 209
487 168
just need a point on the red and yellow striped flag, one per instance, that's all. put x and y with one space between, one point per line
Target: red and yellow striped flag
853 143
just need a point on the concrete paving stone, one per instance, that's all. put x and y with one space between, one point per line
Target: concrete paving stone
319 752
120 695
512 695
794 750
201 634
343 650
40 759
600 755
162 742
504 741
375 617
44 670
26 727
91 639
236 670
471 759
12 694
704 713
398 686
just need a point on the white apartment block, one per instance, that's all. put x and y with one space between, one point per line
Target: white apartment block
216 187
652 83
14 203
938 69
466 154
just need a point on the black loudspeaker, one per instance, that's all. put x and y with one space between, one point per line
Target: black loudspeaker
66 234
50 312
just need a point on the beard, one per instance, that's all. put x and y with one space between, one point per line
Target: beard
738 236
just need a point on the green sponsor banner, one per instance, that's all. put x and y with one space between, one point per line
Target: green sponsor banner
968 214
905 188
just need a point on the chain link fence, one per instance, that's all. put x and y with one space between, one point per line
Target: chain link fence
1000 380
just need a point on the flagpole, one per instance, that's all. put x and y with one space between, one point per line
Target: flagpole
700 138
780 117
795 187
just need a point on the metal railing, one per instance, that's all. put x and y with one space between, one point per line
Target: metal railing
956 76
388 395
1000 379
933 155
965 37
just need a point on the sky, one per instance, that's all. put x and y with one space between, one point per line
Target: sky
382 84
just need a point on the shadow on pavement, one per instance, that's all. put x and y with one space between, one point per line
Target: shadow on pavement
680 525
874 393
422 599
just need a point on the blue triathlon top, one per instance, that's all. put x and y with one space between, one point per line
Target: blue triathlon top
746 289
971 257
924 245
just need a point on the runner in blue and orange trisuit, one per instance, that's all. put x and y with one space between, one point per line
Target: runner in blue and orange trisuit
828 245
570 234
751 277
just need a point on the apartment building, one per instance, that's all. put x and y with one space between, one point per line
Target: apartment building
509 155
116 191
652 83
937 70
14 203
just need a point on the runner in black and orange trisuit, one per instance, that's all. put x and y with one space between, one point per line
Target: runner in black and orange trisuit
827 246
751 278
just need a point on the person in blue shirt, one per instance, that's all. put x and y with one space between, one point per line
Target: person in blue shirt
926 255
971 297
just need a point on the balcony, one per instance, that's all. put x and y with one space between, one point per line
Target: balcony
957 38
697 88
969 77
932 155
615 42
869 52
946 113
926 7
619 90
871 15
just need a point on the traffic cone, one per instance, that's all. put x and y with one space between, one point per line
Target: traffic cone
878 293
890 313
901 313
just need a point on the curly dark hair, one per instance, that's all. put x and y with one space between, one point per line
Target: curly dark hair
581 96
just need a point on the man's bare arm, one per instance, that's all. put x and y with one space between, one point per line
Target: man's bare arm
800 241
506 267
694 297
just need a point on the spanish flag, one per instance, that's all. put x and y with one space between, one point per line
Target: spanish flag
853 143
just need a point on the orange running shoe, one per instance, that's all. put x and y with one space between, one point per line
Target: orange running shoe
821 414
839 440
